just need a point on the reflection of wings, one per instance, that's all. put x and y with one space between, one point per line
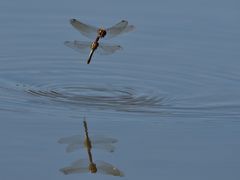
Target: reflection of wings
85 47
92 32
81 166
76 142
106 168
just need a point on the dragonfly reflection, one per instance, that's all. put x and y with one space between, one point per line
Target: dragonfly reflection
88 165
97 33
100 142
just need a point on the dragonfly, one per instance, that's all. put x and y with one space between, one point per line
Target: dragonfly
77 141
97 33
88 165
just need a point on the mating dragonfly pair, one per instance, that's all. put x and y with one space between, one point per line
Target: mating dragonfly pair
97 33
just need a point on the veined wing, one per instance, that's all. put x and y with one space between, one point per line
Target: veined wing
103 142
107 49
76 142
106 168
85 29
80 163
75 139
119 28
80 46
129 28
73 142
98 139
79 166
85 47
92 31
116 29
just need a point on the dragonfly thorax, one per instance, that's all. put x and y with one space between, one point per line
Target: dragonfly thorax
102 32
94 45
92 168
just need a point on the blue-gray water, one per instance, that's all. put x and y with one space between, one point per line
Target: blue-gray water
171 97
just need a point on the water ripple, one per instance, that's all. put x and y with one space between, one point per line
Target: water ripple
120 99
58 96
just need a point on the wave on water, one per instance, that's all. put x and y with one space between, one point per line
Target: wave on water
128 99
109 97
119 99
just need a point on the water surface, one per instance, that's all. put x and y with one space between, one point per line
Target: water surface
171 97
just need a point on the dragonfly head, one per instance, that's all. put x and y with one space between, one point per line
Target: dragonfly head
102 32
92 167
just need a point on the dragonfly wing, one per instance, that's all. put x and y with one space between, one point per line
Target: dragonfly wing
80 163
74 142
106 168
129 28
80 166
107 147
86 30
102 139
71 170
80 46
72 147
116 29
71 139
106 49
103 142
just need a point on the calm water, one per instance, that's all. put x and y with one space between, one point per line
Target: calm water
170 98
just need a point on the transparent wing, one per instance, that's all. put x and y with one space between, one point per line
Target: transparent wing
80 46
86 30
76 142
129 28
96 139
71 170
106 168
85 47
71 139
80 163
79 166
107 49
107 147
92 31
103 142
73 147
116 29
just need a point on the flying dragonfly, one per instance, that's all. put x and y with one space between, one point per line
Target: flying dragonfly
98 33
